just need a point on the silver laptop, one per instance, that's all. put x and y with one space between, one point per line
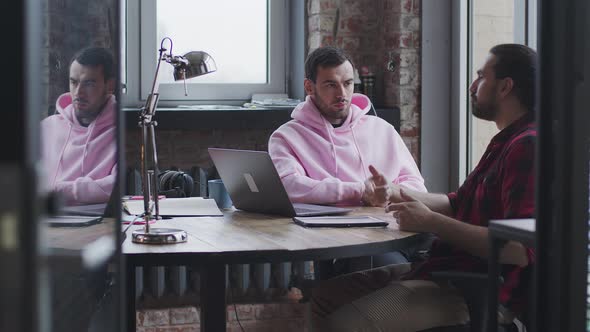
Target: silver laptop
85 215
254 185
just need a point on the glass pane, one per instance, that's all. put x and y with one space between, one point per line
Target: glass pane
233 32
493 23
78 157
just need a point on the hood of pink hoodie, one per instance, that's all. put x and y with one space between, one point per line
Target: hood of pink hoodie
98 136
309 114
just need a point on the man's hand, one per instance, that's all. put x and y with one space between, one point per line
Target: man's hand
411 214
376 188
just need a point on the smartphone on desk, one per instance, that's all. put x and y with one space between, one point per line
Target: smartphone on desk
340 221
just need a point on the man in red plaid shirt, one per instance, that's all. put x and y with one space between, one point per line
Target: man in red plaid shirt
397 298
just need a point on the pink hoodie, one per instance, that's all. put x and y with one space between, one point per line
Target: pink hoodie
325 165
80 162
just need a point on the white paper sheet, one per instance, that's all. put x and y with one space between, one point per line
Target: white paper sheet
178 207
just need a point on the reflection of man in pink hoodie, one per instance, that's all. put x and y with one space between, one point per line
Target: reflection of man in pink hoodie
79 141
323 155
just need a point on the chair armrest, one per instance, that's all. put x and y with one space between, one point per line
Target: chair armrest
461 277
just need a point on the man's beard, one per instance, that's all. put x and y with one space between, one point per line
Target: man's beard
324 109
485 112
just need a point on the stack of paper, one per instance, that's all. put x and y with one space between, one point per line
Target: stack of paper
178 207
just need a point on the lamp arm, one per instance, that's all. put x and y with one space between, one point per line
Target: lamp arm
152 100
149 139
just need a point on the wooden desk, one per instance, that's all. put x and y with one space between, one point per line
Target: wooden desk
241 237
79 248
500 232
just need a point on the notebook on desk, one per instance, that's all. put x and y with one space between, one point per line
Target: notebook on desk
340 221
85 210
71 221
254 185
178 207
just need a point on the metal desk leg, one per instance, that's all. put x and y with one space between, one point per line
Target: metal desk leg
130 298
213 312
494 283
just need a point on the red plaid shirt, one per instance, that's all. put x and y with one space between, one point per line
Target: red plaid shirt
502 186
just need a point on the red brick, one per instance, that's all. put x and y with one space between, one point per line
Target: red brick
267 311
393 6
328 5
409 131
153 317
392 22
188 315
186 328
327 41
417 40
392 40
145 329
406 40
351 25
407 6
350 44
245 312
417 7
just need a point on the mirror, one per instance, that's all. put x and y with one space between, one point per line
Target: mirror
79 162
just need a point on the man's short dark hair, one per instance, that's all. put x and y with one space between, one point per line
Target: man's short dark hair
325 57
518 62
94 57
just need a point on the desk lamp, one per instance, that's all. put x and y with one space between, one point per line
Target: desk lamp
187 66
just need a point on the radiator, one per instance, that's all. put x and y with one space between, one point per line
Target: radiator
244 282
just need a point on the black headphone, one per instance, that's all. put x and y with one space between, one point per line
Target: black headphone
176 184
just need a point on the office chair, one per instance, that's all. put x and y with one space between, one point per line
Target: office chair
473 287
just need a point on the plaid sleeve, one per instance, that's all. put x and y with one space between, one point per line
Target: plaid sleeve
518 183
518 179
453 201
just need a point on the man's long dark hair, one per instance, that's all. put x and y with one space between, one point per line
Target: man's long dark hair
519 62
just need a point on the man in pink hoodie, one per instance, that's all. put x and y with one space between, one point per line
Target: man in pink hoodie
79 150
330 150
323 155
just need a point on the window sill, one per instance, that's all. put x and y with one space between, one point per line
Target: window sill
238 118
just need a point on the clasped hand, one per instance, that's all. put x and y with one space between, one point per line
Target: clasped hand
411 214
377 189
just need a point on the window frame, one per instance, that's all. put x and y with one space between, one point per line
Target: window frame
140 35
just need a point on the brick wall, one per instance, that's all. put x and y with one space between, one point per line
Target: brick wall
71 25
374 32
269 317
186 148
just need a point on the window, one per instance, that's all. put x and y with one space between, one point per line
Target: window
247 40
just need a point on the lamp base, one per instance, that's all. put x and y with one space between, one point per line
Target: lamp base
159 236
